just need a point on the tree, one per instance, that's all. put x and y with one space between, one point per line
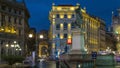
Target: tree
11 59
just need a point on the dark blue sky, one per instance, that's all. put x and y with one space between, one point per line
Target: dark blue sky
39 10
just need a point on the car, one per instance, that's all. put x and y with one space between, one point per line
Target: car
27 63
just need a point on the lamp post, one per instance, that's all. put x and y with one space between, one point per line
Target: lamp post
35 56
7 49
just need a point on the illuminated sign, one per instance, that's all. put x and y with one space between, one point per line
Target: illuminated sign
69 41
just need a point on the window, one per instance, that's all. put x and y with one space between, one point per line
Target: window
58 35
65 26
15 20
3 7
72 25
58 27
73 15
65 35
9 19
15 11
2 24
3 18
65 16
9 9
1 42
20 21
19 32
57 15
19 12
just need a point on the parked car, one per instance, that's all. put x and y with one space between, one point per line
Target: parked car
27 63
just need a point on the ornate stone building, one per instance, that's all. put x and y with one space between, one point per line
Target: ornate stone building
102 35
43 44
116 27
13 27
62 20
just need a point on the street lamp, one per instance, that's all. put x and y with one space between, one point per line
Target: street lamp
30 35
41 36
7 49
6 45
36 44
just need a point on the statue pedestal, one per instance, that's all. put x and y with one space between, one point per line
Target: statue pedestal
77 42
77 55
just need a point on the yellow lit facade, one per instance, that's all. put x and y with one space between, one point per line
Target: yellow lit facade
63 25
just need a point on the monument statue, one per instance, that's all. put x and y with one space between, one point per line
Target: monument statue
78 21
78 35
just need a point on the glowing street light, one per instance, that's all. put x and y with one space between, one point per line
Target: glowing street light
12 45
30 35
6 45
15 42
41 36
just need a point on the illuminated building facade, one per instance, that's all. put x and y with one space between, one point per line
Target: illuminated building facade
116 27
13 27
110 41
102 35
62 20
43 44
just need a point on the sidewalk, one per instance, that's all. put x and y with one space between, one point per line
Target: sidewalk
4 66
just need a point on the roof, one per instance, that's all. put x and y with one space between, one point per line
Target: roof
65 5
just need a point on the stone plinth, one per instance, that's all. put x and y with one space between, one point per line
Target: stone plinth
77 42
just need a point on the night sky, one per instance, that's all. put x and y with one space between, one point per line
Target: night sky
39 10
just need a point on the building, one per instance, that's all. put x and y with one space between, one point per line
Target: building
110 41
62 19
102 35
116 27
31 41
13 27
43 44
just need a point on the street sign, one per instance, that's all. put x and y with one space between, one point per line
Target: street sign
94 55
